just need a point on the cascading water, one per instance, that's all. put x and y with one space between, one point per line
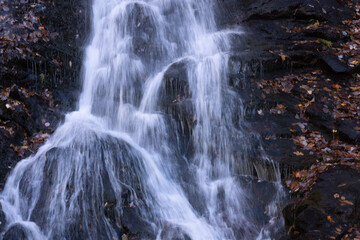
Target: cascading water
165 150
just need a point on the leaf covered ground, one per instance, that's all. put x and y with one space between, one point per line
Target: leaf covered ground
327 126
21 28
40 60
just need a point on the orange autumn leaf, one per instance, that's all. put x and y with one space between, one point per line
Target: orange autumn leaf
284 56
336 86
346 202
297 153
330 219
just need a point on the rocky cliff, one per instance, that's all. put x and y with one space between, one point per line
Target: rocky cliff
296 68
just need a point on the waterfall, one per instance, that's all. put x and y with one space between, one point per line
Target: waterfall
158 138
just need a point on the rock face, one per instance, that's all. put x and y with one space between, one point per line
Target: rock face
331 209
15 232
290 72
2 219
277 48
289 46
42 46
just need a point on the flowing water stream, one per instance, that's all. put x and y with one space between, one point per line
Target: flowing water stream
169 153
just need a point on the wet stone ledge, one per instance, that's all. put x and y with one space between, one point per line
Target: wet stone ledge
42 45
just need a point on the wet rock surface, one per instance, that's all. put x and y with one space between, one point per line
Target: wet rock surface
42 46
15 232
330 210
289 47
2 219
298 82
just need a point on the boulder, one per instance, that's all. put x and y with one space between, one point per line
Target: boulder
331 204
2 219
334 63
15 232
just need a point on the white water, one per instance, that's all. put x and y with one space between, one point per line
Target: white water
121 148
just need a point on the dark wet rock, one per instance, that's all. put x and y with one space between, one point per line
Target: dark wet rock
33 114
316 113
256 55
275 133
334 63
126 162
15 232
265 23
9 158
145 41
176 82
329 10
282 151
235 11
2 219
228 12
318 117
175 85
72 23
173 232
348 130
325 33
133 222
332 203
268 25
242 66
274 129
8 161
175 100
38 108
57 69
182 113
261 193
19 115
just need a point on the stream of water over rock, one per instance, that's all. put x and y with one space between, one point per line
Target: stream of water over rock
169 152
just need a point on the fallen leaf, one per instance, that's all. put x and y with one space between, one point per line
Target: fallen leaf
297 153
295 186
336 86
330 219
284 56
310 145
355 89
346 202
355 62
